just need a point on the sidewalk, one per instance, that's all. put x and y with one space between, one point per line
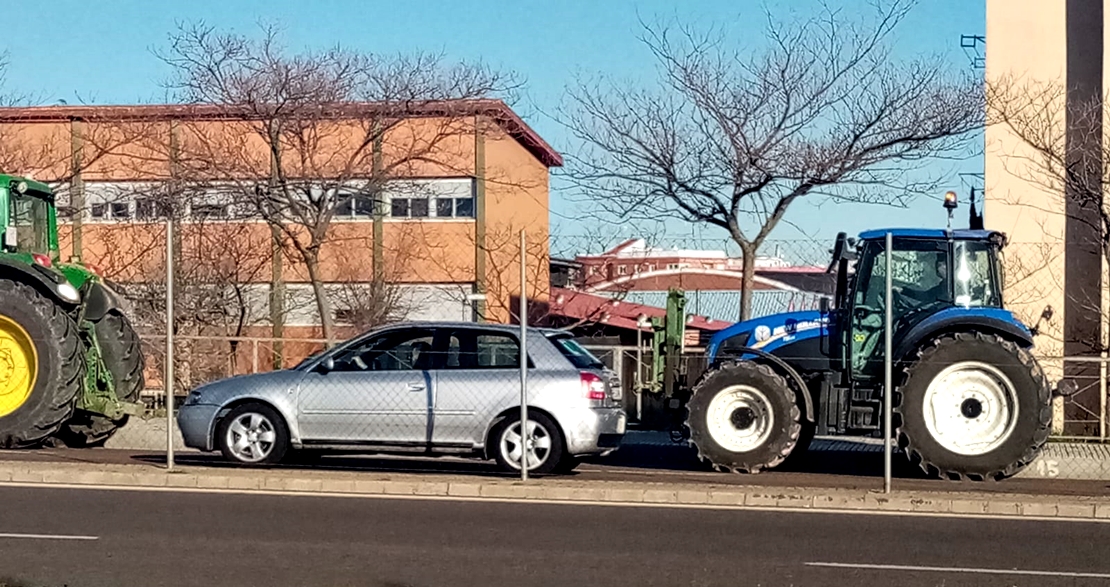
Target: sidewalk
645 491
1059 460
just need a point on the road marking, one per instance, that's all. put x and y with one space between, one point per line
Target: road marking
546 501
966 570
12 536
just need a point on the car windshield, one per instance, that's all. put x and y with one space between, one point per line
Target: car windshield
30 216
576 353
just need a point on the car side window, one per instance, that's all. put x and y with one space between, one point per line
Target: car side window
402 350
473 349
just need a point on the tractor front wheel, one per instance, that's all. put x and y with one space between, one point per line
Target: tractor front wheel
743 417
973 406
41 366
121 351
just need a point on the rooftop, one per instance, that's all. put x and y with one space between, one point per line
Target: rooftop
496 110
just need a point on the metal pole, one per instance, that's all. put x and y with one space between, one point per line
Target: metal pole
639 372
169 345
1102 415
888 348
525 436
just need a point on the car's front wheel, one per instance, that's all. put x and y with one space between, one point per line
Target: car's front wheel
253 434
542 443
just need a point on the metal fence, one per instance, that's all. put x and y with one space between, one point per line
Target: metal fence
480 377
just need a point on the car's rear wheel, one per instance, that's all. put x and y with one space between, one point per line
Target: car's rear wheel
543 443
253 434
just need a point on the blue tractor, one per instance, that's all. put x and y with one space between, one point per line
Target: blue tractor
970 400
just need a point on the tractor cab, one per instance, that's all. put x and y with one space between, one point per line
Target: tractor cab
28 221
934 274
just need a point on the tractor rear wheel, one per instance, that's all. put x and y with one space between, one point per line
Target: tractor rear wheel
743 417
973 406
41 366
122 353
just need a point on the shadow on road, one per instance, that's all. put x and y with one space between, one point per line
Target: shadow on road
831 469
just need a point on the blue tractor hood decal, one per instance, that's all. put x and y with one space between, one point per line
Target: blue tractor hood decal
771 332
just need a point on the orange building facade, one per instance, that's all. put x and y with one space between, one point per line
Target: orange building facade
458 182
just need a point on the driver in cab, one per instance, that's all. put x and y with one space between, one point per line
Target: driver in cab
920 293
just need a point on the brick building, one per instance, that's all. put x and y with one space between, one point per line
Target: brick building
447 225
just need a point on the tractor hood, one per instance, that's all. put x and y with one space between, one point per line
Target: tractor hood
770 332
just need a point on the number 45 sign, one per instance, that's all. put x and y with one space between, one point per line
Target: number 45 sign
1048 467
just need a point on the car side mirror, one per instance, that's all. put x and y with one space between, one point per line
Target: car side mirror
326 366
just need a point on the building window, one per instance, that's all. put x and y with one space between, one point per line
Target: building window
433 198
208 211
620 270
672 266
355 207
150 209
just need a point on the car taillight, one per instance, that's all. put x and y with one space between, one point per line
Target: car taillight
593 386
42 260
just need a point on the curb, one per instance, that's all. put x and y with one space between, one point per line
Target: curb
556 490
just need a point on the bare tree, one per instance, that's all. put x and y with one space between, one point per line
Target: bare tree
733 138
318 131
1058 147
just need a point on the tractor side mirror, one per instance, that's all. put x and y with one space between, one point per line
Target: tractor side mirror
1065 388
826 305
1046 316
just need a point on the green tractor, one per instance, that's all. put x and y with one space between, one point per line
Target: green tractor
71 365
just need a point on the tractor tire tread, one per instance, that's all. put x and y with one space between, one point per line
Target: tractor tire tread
65 350
123 356
698 437
1044 415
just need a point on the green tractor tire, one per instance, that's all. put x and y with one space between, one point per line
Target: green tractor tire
41 366
122 353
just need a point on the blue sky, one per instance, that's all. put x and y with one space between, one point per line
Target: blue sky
100 52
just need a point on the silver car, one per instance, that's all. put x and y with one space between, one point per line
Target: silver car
429 388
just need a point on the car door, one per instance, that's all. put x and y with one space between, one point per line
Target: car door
378 391
479 377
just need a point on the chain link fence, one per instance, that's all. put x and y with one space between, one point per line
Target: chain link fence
480 377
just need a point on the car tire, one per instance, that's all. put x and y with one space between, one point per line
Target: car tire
549 450
253 434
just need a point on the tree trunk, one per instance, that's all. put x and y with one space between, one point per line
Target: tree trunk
277 298
323 304
747 281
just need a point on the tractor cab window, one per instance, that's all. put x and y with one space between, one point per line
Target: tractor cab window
975 279
30 216
919 278
919 275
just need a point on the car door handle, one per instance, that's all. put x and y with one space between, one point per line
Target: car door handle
416 387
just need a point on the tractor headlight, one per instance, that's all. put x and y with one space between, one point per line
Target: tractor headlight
69 293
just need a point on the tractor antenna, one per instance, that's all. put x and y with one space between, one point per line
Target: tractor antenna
950 205
975 222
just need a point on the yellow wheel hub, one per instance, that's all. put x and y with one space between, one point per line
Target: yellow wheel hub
19 366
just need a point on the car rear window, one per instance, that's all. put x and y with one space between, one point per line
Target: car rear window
575 353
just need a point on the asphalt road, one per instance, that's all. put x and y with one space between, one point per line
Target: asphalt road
92 538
